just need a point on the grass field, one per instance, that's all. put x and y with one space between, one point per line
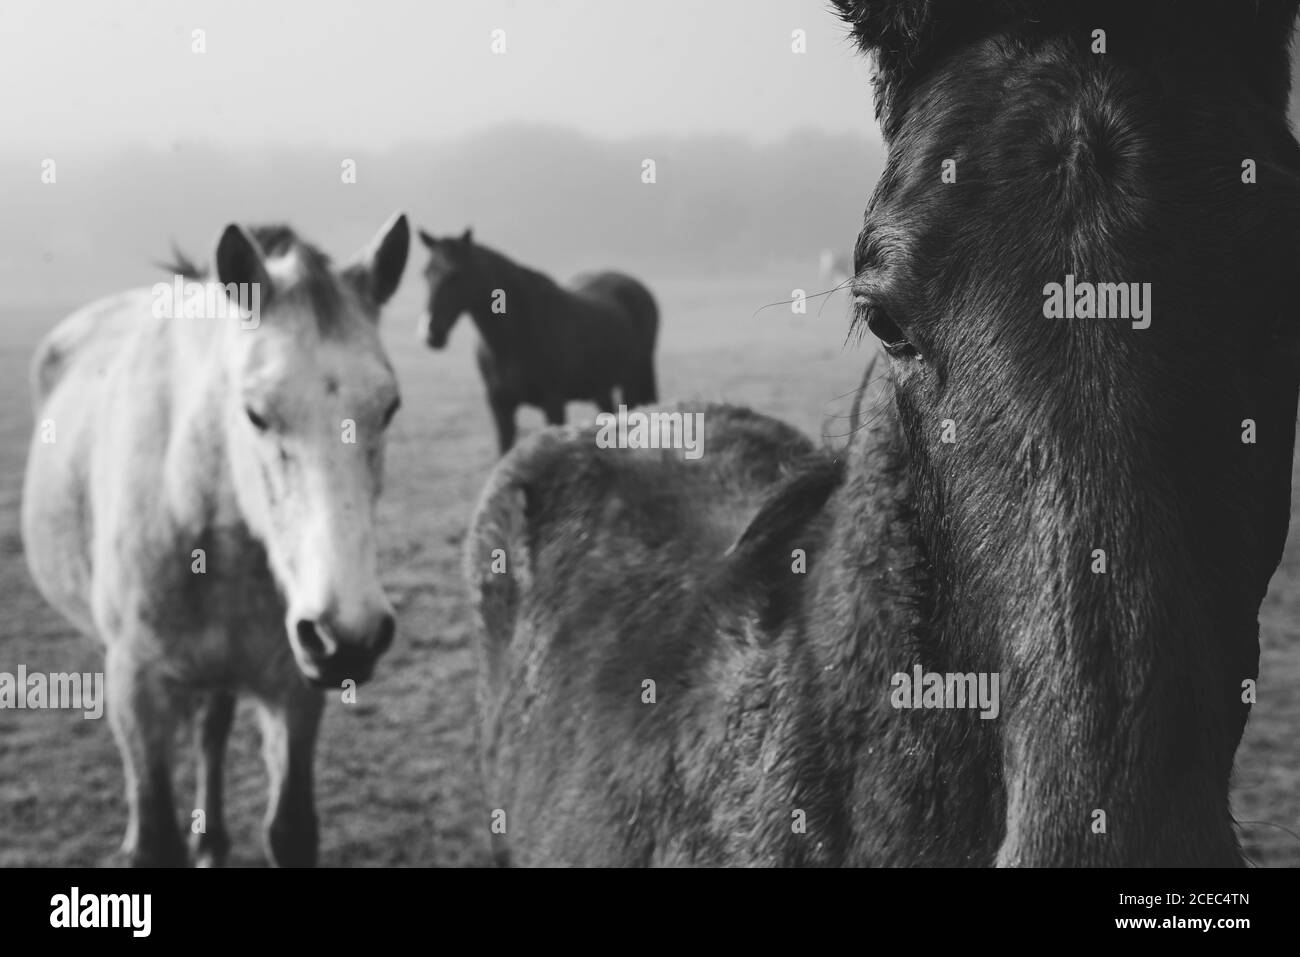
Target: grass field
396 780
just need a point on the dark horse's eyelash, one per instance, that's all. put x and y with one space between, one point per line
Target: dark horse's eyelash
858 322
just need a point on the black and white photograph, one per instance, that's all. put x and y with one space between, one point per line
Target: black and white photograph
704 434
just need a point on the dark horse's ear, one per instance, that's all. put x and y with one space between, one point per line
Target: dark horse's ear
892 24
428 240
378 268
898 32
1256 33
239 260
467 239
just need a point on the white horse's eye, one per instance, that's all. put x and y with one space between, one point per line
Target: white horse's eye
259 422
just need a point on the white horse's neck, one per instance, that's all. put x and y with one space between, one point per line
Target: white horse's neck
199 482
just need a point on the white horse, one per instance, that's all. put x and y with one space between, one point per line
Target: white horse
833 268
199 497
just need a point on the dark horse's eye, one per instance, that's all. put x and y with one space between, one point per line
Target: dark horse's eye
391 411
891 337
259 423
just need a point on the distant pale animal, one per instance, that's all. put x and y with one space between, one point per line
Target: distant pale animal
199 497
540 343
834 268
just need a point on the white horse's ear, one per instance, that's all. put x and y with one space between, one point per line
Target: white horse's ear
239 260
378 268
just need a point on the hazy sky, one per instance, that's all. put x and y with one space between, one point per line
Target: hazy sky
377 72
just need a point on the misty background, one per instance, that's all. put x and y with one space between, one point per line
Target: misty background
763 156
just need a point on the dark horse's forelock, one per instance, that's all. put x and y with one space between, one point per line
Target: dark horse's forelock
905 35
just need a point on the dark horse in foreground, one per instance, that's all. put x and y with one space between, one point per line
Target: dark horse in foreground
540 343
1074 506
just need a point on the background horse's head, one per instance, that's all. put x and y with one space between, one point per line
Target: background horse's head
310 393
455 283
1102 504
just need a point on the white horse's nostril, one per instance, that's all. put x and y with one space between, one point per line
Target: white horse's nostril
316 640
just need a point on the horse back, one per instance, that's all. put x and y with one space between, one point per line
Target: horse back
90 337
628 313
628 294
606 586
79 387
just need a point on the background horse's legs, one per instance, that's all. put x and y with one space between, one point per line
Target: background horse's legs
213 717
503 413
288 748
644 390
554 409
142 712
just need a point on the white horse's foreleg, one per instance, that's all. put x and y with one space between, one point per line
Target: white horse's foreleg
143 714
289 729
212 720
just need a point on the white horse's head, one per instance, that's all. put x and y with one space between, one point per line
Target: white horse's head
310 395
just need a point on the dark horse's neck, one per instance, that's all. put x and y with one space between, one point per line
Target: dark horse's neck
885 595
874 560
521 287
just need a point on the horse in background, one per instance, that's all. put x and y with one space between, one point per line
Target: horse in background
834 268
199 497
540 343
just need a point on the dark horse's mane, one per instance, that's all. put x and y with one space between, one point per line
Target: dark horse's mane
499 263
905 35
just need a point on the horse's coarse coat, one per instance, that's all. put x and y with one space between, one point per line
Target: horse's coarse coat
1068 504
